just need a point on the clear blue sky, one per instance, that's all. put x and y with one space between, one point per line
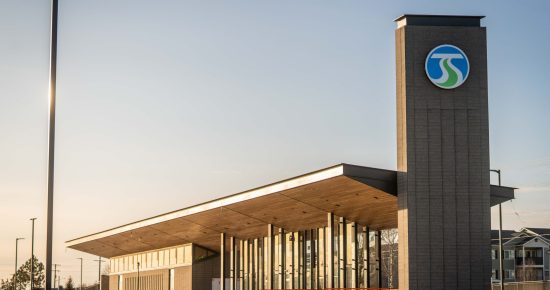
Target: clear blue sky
163 104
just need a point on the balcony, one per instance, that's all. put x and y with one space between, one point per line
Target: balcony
530 261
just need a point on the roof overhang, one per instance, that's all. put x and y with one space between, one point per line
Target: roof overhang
361 194
500 194
364 195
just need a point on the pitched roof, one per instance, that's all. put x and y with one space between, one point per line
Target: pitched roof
506 236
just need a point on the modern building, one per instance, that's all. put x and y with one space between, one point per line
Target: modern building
526 255
322 229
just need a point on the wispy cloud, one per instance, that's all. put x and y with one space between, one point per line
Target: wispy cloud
534 189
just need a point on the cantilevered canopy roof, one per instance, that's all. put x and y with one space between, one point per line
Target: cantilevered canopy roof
365 195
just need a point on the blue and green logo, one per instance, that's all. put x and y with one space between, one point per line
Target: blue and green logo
447 66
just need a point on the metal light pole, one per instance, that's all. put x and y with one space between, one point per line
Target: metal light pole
51 141
80 272
55 274
15 276
99 273
500 248
32 254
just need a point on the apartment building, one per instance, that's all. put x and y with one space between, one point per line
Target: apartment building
526 255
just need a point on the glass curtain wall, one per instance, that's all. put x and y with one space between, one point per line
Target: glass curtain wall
362 256
300 259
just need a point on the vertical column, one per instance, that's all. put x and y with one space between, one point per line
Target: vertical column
256 265
261 263
282 255
317 258
222 261
296 249
354 256
241 265
292 254
270 250
367 256
312 257
544 270
303 265
250 248
379 257
524 268
342 253
330 250
232 263
323 257
246 263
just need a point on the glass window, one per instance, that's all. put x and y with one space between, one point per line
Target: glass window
301 260
179 256
361 240
308 260
276 263
267 274
172 256
143 261
336 253
166 258
508 254
245 264
260 265
509 274
297 260
321 258
154 259
314 259
373 276
254 250
128 262
188 254
350 244
149 260
161 258
288 260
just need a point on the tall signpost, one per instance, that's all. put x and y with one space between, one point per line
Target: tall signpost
51 142
444 216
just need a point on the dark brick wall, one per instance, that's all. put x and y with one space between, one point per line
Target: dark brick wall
204 271
443 164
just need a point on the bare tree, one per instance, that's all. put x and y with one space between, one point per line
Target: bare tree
389 256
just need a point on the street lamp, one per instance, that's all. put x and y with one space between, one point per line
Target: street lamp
32 255
55 280
15 276
80 272
51 141
500 249
99 273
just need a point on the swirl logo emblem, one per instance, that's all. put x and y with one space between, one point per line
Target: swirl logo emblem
447 66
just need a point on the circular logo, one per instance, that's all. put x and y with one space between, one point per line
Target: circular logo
447 66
